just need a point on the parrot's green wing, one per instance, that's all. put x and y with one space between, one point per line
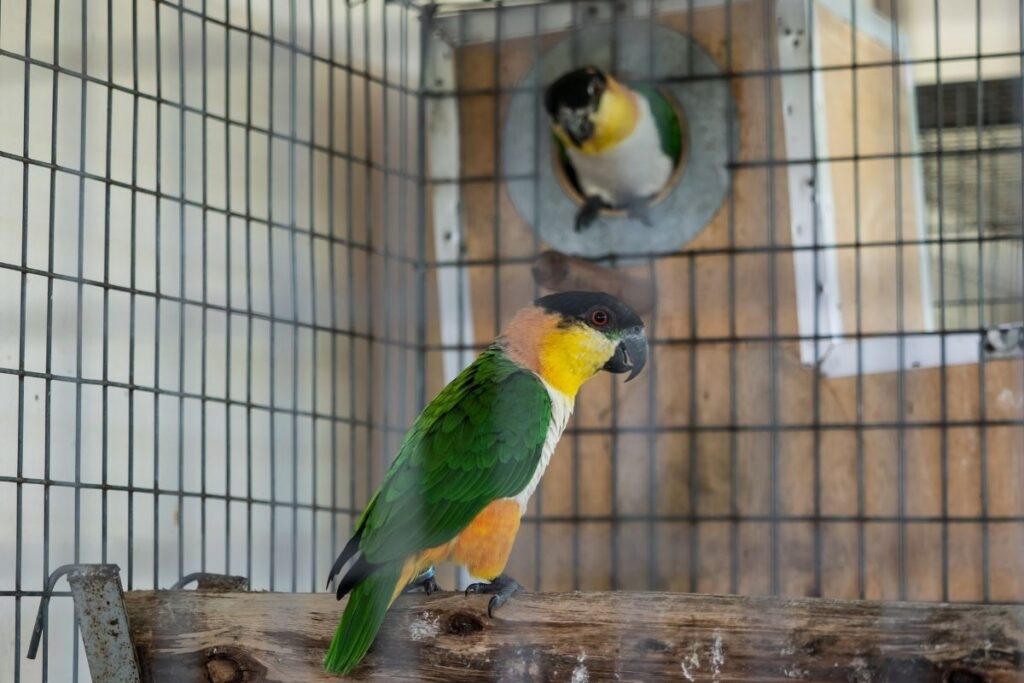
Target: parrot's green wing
479 440
669 131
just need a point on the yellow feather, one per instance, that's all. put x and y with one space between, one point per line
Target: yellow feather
614 120
569 356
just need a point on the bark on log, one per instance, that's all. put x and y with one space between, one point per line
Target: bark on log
580 638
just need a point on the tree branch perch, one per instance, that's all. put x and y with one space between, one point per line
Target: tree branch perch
579 637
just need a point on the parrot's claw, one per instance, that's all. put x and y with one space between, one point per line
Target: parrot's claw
502 588
426 581
588 212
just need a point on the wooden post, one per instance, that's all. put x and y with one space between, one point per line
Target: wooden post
580 637
563 273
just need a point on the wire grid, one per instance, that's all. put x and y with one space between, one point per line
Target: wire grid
145 149
943 514
211 225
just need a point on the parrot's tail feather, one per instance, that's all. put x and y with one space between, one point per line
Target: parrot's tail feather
362 619
351 548
359 571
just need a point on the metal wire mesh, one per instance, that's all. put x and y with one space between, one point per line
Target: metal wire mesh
222 302
209 284
731 467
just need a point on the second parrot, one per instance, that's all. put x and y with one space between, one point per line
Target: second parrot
621 144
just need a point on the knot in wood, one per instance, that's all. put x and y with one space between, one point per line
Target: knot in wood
224 671
232 665
463 623
653 645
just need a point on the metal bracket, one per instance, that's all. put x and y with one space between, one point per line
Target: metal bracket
100 613
1004 341
221 583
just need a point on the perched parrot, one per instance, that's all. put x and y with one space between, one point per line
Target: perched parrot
621 144
467 467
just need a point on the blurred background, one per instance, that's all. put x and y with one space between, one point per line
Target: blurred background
242 243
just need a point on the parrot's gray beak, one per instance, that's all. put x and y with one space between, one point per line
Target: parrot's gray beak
576 123
630 354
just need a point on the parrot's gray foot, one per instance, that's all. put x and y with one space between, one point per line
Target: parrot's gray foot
640 210
588 212
426 581
501 590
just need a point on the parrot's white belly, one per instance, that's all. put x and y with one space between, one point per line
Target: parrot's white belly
561 410
634 168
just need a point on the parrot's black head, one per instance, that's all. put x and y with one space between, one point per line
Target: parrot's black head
573 99
596 329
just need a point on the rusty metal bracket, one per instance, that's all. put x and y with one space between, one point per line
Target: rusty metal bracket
213 582
100 613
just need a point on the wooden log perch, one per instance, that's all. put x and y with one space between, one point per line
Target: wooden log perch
578 638
562 273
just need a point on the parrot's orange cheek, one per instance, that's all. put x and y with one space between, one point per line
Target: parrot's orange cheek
484 546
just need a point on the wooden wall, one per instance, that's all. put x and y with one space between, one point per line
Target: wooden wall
688 505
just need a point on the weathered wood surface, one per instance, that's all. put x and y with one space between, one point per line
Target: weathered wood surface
579 637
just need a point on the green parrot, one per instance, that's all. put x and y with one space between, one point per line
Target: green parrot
466 469
621 143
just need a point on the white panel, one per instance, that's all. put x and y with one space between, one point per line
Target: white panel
454 304
811 210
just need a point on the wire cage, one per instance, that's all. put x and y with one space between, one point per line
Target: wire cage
243 242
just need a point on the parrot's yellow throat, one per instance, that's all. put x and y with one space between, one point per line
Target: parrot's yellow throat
564 356
614 120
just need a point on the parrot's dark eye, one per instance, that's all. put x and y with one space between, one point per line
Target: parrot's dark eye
599 317
595 89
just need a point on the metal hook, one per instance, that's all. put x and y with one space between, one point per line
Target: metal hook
44 604
101 616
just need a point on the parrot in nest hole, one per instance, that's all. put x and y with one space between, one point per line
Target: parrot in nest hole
468 466
620 143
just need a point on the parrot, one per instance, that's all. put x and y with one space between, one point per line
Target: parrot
621 144
467 467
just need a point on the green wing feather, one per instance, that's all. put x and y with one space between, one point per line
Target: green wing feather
478 441
669 131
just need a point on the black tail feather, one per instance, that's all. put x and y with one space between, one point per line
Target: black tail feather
351 548
354 576
359 570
